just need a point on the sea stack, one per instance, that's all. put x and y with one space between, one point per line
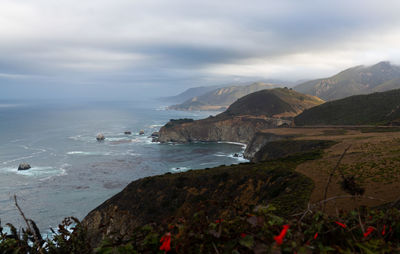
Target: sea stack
100 137
24 166
141 132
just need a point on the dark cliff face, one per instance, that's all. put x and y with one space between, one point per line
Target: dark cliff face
217 192
236 129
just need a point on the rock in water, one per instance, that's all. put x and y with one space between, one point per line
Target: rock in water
127 133
155 134
100 137
24 166
141 132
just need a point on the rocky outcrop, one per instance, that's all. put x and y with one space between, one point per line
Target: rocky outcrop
24 166
236 129
141 132
127 132
100 137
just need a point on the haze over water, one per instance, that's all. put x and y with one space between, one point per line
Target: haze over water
71 172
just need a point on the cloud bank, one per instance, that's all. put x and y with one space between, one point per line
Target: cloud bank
98 47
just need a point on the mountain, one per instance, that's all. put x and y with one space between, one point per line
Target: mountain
189 93
248 115
220 99
376 109
354 81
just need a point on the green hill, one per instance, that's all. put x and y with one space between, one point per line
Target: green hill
220 99
354 81
377 108
278 102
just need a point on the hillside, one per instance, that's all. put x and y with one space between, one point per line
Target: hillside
243 118
278 102
220 99
354 81
376 109
188 94
216 193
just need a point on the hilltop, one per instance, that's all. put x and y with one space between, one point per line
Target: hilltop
357 80
278 102
372 109
219 99
264 109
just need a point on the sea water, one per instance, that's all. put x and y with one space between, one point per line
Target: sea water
71 172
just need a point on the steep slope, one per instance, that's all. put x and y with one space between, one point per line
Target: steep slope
189 93
217 193
219 99
377 108
354 81
252 113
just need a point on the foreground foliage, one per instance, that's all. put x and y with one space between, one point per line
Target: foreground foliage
261 231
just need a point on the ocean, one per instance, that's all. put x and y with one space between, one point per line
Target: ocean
71 172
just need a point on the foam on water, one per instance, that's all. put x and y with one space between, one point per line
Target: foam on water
180 169
37 171
83 153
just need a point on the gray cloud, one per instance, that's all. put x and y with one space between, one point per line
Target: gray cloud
163 46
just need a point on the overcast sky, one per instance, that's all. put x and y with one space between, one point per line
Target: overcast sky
127 48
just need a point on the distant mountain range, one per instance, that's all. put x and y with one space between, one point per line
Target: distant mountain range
373 109
189 93
221 98
354 81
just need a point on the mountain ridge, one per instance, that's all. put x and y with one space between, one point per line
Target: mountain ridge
356 80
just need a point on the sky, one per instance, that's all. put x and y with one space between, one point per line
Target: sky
132 49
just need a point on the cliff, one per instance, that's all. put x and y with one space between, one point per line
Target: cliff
248 115
236 129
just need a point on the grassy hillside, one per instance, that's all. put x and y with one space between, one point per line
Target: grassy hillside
221 98
273 103
217 193
373 109
354 81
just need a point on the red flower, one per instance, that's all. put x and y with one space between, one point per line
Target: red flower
316 235
369 231
166 242
341 224
279 238
384 230
242 235
219 221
